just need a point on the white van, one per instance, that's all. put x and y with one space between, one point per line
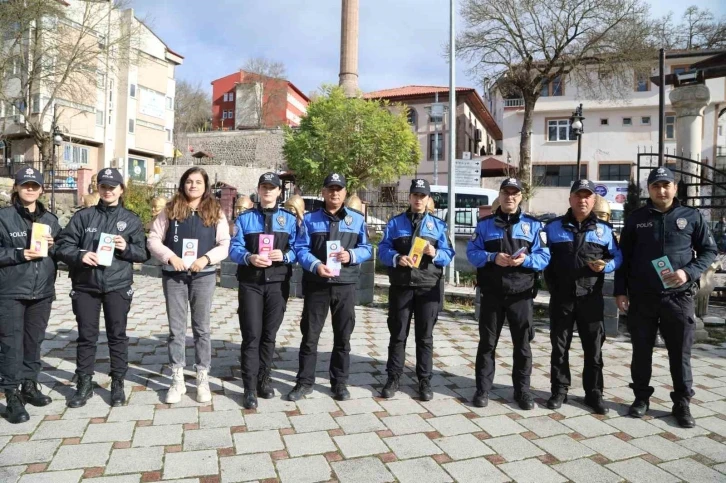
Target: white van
468 201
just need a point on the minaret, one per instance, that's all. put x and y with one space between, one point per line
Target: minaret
349 48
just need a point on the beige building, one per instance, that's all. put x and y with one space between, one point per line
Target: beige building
477 132
118 111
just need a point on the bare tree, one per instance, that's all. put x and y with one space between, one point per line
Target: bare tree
57 55
262 91
192 110
528 45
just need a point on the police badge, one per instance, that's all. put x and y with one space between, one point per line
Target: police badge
430 225
348 220
281 221
681 223
599 231
121 225
525 228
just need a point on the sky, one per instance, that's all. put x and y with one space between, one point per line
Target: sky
401 42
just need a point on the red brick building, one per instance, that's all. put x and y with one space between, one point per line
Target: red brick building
245 100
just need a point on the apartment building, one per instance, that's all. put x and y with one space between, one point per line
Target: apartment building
477 132
613 131
117 111
244 100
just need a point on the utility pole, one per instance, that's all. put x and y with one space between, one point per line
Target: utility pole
452 133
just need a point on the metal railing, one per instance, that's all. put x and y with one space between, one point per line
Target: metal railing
64 179
513 102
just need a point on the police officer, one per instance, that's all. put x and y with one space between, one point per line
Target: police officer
329 234
95 285
666 246
27 288
582 248
264 283
507 252
415 288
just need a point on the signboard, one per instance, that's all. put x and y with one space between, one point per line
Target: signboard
151 103
467 173
612 191
437 110
466 155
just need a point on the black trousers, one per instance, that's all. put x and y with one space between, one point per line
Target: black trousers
675 316
22 330
423 303
319 298
587 314
87 309
517 309
261 310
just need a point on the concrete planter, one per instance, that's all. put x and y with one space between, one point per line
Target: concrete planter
228 274
151 268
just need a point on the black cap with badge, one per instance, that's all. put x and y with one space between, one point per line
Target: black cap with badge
511 183
661 174
583 185
334 179
110 177
270 178
420 186
28 175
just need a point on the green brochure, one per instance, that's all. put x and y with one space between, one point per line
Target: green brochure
663 266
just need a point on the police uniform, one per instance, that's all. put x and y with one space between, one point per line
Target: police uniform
576 298
99 286
336 294
506 292
682 235
27 290
413 291
263 292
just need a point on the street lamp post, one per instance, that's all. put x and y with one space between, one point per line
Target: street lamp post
577 129
57 140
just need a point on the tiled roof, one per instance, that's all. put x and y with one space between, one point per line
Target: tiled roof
470 94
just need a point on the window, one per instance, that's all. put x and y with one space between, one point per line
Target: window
670 127
604 122
560 175
228 97
168 135
680 69
132 90
645 121
169 103
99 117
614 172
463 200
75 154
463 218
627 121
224 97
432 146
554 88
559 130
642 83
413 119
35 106
231 96
131 126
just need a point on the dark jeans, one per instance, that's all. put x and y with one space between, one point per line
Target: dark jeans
586 313
319 298
674 315
87 308
261 310
22 330
517 309
423 303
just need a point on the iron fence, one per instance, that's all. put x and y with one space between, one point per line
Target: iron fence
64 179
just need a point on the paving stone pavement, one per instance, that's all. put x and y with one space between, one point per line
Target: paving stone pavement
365 439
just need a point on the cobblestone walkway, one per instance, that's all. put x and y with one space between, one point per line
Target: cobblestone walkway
364 439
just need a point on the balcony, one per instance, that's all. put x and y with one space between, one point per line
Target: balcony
512 103
720 151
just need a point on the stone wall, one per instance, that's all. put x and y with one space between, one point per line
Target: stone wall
239 158
255 148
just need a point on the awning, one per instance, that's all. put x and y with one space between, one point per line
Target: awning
493 168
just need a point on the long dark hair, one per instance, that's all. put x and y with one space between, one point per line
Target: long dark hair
209 209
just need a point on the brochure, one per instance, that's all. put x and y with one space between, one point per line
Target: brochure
333 263
663 266
417 248
266 244
38 242
105 249
189 251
